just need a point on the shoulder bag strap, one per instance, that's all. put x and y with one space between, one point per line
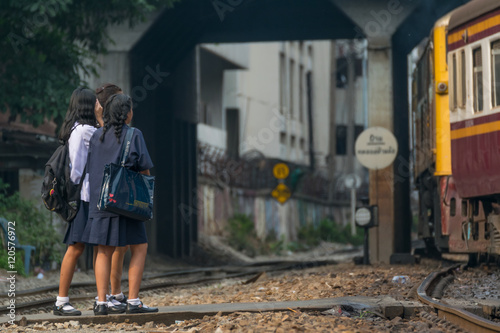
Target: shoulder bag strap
126 145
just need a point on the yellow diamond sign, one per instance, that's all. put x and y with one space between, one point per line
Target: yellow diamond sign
281 193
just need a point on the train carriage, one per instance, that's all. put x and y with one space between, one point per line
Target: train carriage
456 131
431 136
473 55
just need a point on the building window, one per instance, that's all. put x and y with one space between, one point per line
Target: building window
462 81
205 116
292 87
341 134
478 79
454 82
282 83
301 93
283 148
495 73
283 138
233 133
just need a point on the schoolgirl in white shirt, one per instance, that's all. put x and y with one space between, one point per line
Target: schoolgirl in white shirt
84 114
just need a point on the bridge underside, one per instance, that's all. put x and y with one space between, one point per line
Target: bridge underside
169 113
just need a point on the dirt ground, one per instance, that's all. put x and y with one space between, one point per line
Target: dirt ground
343 279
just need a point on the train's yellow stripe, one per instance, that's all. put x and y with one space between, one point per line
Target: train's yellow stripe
442 113
474 29
475 130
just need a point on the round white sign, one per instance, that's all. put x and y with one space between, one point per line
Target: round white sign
362 216
352 181
376 148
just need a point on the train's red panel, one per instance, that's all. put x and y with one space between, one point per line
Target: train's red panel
475 151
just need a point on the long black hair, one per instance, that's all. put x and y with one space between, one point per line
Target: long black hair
115 113
81 109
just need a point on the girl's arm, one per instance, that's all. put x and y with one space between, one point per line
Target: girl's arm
146 172
98 113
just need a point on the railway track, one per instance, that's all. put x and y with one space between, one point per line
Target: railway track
429 293
41 300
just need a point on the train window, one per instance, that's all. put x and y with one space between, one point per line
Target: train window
475 231
463 92
454 82
478 79
495 73
453 207
464 207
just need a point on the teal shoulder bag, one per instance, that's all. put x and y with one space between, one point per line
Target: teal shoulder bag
126 192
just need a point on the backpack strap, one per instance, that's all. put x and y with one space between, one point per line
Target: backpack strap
126 145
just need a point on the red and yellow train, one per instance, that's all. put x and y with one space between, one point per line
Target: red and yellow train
456 131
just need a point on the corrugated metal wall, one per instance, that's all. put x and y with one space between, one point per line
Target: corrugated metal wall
216 205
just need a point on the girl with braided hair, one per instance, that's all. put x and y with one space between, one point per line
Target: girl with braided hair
108 230
116 296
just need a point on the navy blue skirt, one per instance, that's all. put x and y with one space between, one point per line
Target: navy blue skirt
74 233
114 231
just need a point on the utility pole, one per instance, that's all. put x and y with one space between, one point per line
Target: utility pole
351 112
351 106
332 139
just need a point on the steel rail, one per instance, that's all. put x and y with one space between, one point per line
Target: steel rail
227 272
205 270
464 319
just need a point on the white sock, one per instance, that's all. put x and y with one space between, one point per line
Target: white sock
119 296
62 300
107 297
101 303
112 303
135 301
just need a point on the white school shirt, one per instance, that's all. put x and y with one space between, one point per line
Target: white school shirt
78 145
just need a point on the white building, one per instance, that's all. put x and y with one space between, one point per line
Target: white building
267 96
276 98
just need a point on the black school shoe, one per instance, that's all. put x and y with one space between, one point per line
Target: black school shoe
122 301
115 309
104 309
100 309
59 311
140 308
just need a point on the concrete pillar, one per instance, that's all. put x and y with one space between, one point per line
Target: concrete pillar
381 181
378 20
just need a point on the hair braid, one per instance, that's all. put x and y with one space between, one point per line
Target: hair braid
115 114
118 127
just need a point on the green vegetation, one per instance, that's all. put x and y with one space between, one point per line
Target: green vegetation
414 224
46 43
242 237
329 231
19 266
33 227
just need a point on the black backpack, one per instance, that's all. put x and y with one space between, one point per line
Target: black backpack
59 193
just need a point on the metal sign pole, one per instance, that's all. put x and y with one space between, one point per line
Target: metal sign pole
353 210
366 255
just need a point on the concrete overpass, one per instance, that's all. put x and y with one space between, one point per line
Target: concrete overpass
168 113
